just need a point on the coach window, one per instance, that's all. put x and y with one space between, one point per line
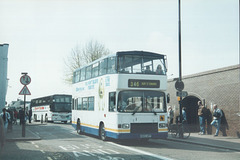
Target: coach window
77 76
82 77
111 65
91 103
89 72
137 64
79 104
84 103
95 69
112 101
103 67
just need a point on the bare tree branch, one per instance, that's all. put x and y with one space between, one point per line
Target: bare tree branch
81 56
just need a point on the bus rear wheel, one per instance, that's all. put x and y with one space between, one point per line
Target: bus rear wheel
102 132
35 117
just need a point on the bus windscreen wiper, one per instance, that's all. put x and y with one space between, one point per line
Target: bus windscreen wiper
135 110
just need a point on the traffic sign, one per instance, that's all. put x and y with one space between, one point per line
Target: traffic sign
25 80
24 91
182 93
179 85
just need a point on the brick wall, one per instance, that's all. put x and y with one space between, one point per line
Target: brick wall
220 86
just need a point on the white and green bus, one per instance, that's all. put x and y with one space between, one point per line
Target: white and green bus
122 96
52 108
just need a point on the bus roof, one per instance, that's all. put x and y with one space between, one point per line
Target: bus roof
52 96
124 53
140 53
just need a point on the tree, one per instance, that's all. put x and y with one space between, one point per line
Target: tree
81 56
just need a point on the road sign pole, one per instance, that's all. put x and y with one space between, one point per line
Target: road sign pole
23 124
25 80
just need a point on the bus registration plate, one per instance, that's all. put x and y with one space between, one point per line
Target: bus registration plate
145 135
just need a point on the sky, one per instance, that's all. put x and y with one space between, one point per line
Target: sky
41 34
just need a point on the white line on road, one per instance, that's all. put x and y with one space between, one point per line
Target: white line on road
42 151
36 146
103 151
113 151
142 152
49 158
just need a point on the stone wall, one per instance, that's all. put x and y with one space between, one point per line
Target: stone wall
221 87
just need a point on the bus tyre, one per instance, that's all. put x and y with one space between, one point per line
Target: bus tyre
102 133
46 118
35 117
78 127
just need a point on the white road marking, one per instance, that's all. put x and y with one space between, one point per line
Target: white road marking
103 151
113 151
89 152
69 147
77 154
36 146
140 151
42 151
49 158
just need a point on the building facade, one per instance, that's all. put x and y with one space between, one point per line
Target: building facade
3 74
221 87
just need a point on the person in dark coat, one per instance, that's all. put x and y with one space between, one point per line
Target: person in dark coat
224 125
30 115
209 120
21 116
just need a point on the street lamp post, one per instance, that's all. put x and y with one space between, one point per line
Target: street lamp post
180 60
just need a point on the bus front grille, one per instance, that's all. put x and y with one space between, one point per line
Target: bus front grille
143 128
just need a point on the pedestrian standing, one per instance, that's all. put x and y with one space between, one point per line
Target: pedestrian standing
217 114
170 115
21 116
30 115
6 118
209 120
201 115
15 116
184 115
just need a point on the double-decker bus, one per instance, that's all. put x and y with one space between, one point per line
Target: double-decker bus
52 108
122 96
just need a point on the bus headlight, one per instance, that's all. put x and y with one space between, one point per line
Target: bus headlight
162 125
124 126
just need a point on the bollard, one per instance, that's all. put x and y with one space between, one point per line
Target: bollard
41 118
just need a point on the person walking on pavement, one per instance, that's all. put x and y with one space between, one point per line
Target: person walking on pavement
201 115
6 117
217 114
30 115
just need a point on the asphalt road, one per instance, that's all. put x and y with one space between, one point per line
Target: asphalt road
60 142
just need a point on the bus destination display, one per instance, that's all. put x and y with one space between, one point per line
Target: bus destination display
140 83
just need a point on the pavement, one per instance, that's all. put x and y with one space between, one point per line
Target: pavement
222 142
17 132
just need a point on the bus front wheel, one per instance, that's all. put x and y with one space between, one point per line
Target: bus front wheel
102 133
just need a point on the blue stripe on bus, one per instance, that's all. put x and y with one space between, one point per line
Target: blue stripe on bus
94 131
